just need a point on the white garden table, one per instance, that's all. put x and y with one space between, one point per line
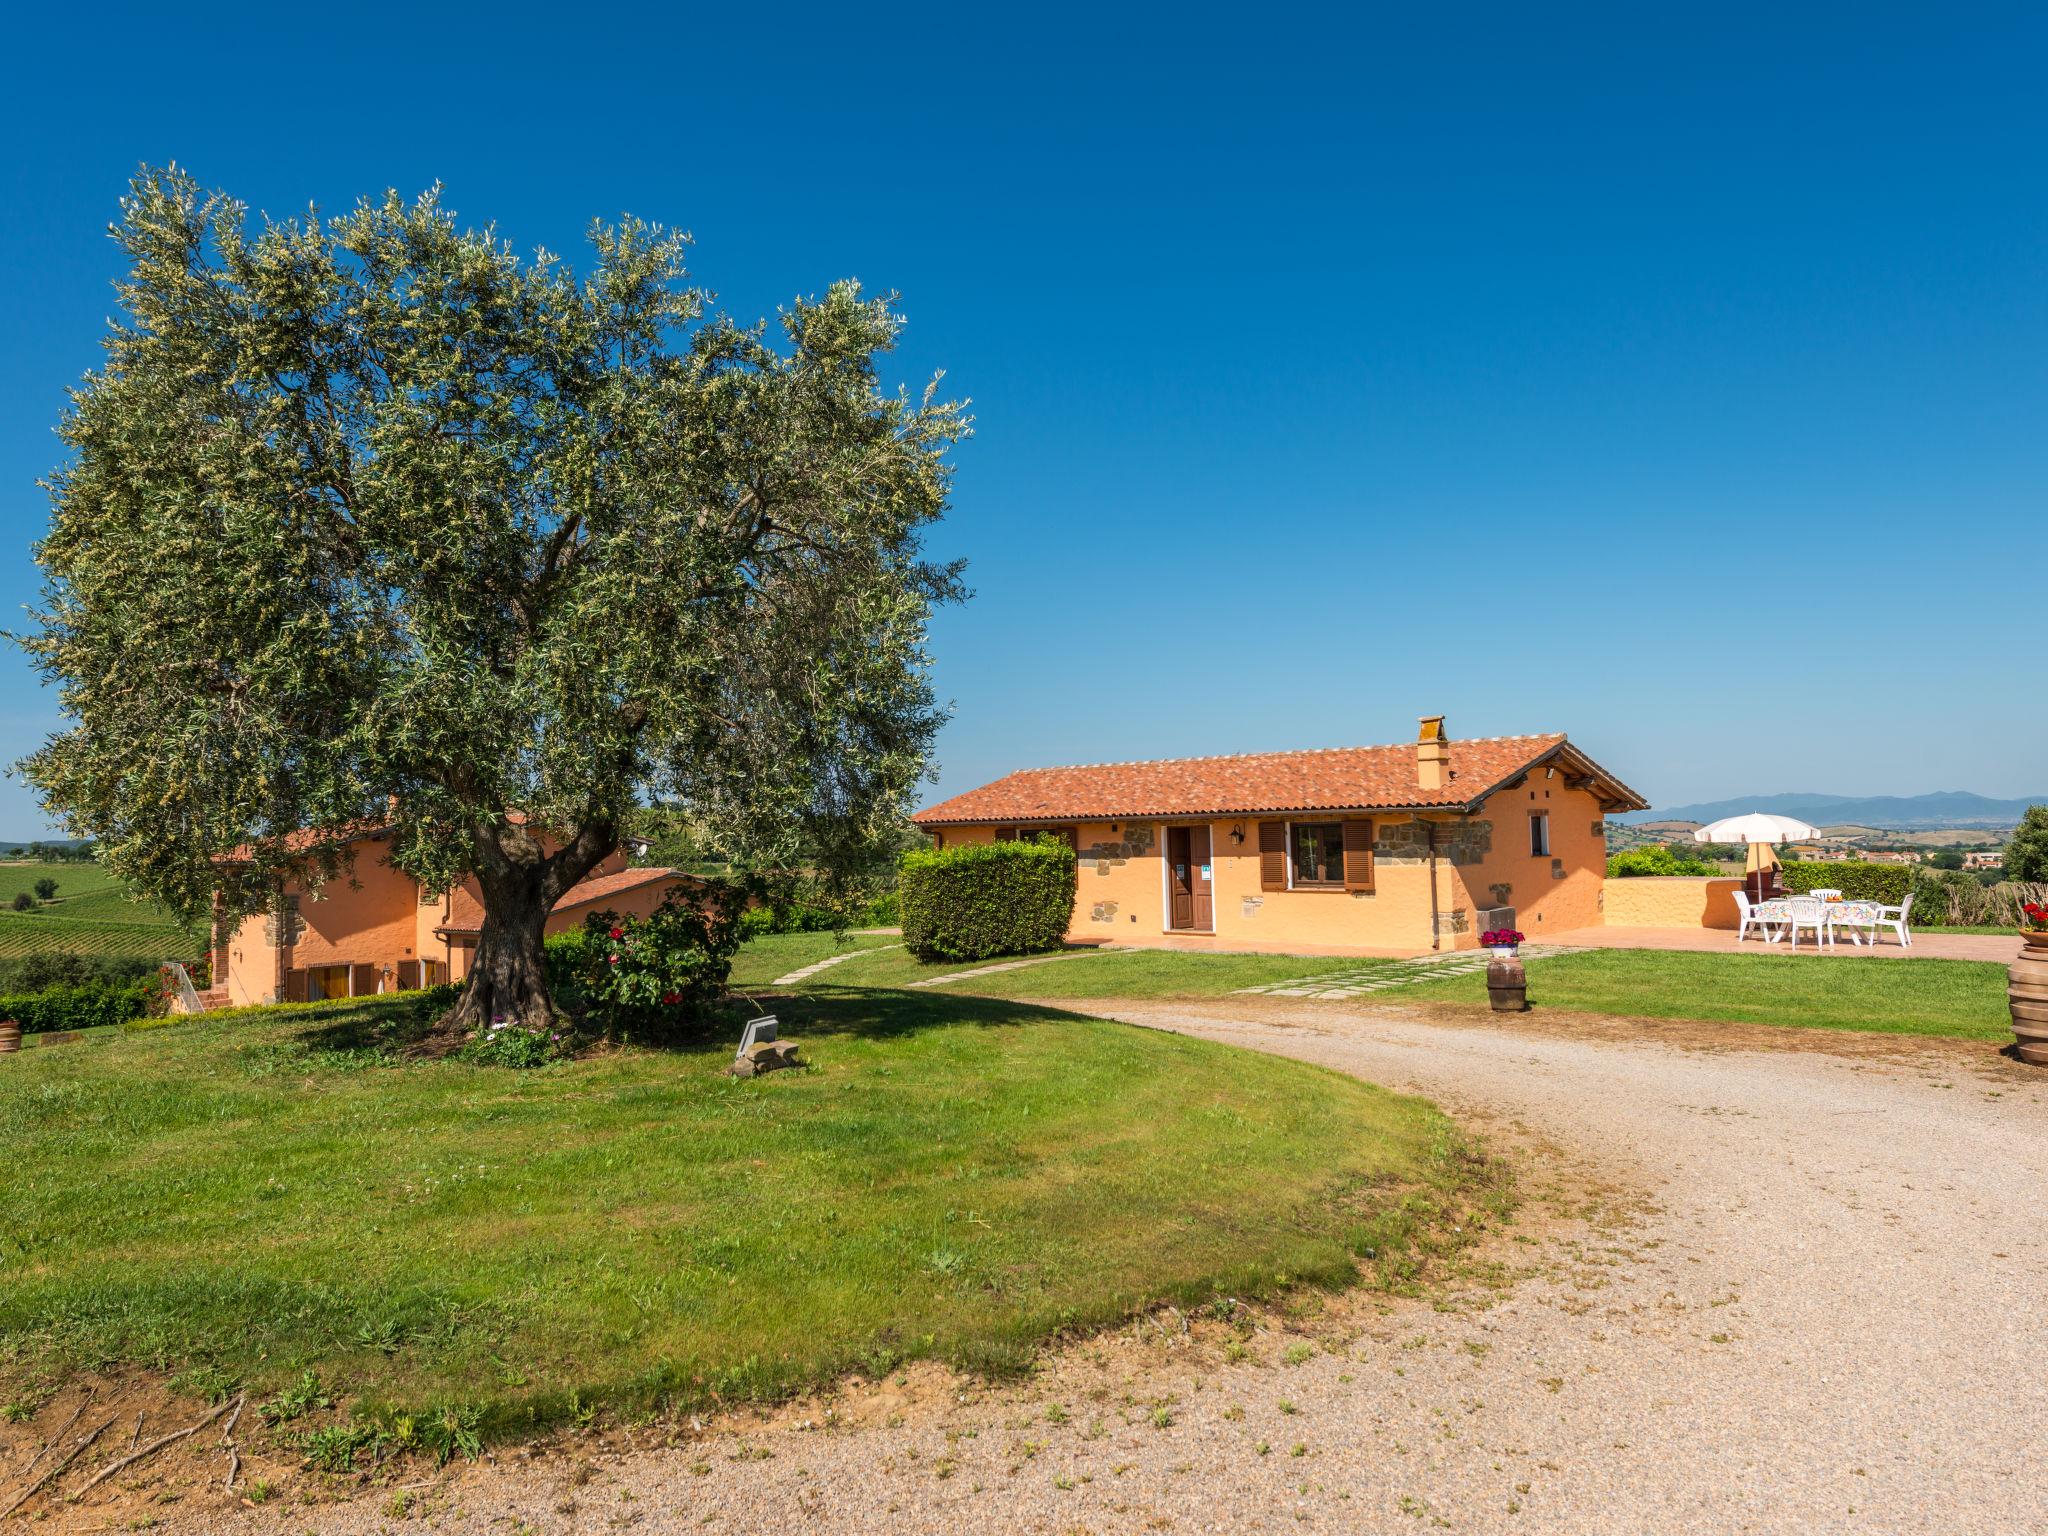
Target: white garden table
1857 918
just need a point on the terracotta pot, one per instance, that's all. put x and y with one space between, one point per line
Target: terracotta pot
1507 986
2034 938
10 1037
2026 994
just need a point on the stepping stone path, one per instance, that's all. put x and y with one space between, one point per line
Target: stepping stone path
1402 973
1015 965
805 973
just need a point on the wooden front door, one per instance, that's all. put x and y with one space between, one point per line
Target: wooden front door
1190 893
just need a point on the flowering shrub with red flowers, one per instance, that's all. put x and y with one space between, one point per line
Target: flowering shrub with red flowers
658 976
2035 915
1500 938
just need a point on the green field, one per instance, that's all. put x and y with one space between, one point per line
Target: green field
93 914
252 1194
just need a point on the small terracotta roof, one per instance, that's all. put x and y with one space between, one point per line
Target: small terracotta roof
589 892
1333 779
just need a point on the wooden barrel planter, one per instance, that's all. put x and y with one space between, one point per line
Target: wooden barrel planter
10 1037
1507 985
2026 993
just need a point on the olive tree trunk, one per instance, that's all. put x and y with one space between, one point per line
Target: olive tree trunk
520 884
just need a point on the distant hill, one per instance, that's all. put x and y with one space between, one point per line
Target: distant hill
1944 808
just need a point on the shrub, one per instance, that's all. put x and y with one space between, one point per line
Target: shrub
1946 899
987 899
1654 859
508 1043
45 888
658 976
87 1007
2026 854
61 968
804 905
1856 879
24 902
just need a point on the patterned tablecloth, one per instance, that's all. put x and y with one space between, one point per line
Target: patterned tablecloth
1840 914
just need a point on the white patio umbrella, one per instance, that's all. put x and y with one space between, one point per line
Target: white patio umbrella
1755 827
1760 830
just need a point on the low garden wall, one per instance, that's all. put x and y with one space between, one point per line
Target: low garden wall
1671 901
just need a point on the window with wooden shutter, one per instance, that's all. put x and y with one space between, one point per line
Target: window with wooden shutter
1272 855
1357 855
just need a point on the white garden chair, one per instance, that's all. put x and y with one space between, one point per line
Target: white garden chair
1894 918
1807 912
1751 918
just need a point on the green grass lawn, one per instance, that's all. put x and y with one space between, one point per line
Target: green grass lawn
1963 998
1928 997
253 1194
1111 973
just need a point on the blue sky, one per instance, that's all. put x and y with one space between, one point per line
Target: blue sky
1676 379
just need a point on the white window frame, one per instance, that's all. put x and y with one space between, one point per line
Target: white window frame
1539 820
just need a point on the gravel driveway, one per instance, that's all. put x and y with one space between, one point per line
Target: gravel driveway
1823 1314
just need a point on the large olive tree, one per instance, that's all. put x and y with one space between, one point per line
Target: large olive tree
368 519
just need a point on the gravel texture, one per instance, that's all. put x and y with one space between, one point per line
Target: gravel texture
1793 1290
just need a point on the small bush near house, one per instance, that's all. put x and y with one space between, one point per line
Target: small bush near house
1856 879
86 1007
986 899
808 908
657 977
1654 859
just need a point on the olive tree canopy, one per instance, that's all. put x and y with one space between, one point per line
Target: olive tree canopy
368 519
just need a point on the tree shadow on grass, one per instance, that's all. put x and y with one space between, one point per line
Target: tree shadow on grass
873 1014
374 1031
382 1033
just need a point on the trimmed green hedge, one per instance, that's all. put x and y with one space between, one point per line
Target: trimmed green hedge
1854 878
987 899
59 1008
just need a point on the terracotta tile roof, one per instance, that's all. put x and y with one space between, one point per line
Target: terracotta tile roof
589 892
309 838
1336 778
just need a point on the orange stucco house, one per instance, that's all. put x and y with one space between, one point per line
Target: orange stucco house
1404 848
373 929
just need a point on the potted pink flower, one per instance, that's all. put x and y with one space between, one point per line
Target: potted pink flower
1502 941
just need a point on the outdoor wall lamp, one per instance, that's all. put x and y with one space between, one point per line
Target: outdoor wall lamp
1237 833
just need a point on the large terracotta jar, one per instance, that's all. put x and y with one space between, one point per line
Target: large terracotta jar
2026 993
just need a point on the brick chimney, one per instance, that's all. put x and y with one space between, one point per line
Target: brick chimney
1432 754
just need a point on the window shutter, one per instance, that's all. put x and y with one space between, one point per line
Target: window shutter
1272 855
1357 855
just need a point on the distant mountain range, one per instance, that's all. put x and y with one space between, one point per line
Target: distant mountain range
1944 808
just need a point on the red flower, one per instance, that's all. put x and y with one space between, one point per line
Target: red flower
618 933
670 999
611 959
